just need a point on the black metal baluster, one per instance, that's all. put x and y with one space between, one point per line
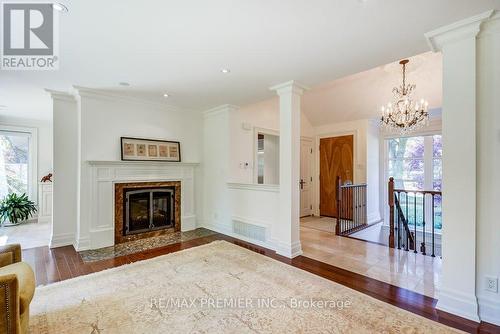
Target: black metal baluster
341 211
406 232
415 223
351 190
355 212
433 252
422 248
399 222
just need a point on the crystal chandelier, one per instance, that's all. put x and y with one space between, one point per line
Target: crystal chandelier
404 115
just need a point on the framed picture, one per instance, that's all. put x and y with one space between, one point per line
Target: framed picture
138 149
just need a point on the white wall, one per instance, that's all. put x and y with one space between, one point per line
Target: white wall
373 171
224 201
105 120
264 115
216 209
488 168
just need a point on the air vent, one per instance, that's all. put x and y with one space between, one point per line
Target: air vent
251 231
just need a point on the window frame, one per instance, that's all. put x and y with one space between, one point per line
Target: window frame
32 156
428 164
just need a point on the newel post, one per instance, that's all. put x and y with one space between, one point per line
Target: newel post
338 194
391 212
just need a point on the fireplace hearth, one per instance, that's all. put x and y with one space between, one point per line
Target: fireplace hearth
146 209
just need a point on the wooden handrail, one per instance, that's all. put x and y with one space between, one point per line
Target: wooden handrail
406 191
391 212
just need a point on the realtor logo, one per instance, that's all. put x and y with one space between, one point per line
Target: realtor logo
29 36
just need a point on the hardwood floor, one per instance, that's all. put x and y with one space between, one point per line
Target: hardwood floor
52 265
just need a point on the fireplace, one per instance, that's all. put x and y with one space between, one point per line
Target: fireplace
145 209
148 209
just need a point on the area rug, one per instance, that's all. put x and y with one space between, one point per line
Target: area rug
325 224
214 288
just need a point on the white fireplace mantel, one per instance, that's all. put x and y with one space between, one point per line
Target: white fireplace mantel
96 226
140 163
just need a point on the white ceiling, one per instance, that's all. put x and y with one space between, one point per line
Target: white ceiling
179 47
360 96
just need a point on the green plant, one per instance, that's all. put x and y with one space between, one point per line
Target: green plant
16 208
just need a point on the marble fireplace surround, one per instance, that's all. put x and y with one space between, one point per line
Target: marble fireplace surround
119 201
96 225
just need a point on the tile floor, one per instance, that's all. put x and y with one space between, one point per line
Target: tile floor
374 233
408 270
30 235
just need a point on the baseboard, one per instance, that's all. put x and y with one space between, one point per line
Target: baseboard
60 240
287 250
458 303
82 244
489 310
188 223
44 219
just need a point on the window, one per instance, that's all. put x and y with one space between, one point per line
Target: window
267 156
415 164
17 162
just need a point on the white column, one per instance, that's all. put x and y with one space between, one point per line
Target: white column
488 167
65 186
457 42
286 234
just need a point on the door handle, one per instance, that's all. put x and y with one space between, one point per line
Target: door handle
301 184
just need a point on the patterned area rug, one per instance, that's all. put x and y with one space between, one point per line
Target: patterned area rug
214 288
140 245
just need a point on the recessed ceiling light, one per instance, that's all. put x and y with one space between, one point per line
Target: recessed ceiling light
124 84
60 7
165 95
225 70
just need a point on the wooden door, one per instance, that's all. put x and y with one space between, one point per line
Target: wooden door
306 159
336 159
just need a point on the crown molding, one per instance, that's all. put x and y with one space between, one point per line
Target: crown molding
105 95
219 109
291 86
492 26
60 95
468 28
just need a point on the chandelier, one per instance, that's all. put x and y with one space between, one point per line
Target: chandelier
403 114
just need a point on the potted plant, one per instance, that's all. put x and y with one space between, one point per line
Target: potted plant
16 208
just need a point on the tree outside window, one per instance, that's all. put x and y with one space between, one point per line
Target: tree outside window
14 157
415 164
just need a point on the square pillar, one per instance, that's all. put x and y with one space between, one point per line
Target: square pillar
65 166
457 42
286 234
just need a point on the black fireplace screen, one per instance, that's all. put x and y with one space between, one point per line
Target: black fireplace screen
149 209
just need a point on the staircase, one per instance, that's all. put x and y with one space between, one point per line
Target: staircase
407 219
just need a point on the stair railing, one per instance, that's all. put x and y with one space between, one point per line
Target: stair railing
351 208
401 235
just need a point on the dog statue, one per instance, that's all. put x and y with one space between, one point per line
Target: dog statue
47 178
